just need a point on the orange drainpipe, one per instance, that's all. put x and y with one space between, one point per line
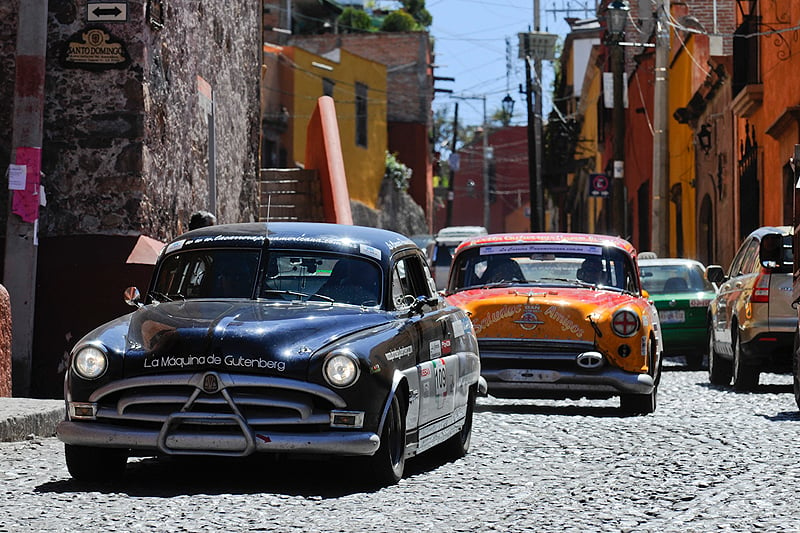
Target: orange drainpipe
324 153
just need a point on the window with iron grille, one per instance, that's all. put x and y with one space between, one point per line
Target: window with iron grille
361 114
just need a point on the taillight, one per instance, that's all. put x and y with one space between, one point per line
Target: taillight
760 292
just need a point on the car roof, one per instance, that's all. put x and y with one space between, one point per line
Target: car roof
374 242
664 261
571 238
760 232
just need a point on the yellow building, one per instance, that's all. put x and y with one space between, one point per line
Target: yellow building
358 88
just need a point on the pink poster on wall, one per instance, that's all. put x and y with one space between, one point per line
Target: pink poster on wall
26 202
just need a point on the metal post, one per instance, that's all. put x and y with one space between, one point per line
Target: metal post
537 123
532 182
451 182
660 228
19 272
485 168
618 199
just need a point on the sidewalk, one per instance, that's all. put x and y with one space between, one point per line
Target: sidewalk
21 417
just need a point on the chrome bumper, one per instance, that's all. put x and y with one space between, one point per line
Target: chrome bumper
609 381
174 439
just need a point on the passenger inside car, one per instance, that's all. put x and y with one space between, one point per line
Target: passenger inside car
500 268
353 282
591 271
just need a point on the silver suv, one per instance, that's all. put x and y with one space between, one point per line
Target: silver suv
751 322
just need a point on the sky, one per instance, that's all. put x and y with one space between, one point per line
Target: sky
470 46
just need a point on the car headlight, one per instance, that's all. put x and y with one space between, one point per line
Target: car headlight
341 369
625 323
90 362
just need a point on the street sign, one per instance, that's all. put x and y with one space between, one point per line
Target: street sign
599 186
107 12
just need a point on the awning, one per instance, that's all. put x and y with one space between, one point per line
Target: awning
146 251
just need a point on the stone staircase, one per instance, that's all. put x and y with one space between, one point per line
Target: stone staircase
290 195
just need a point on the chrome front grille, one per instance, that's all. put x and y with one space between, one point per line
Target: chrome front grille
258 400
500 353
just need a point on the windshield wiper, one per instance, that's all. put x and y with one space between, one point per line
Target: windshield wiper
299 295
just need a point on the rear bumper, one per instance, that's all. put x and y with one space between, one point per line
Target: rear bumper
682 341
183 441
770 350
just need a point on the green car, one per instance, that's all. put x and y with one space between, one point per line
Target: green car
681 293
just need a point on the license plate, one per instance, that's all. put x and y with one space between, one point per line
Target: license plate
672 317
537 376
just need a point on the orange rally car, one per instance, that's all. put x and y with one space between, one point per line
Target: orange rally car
560 315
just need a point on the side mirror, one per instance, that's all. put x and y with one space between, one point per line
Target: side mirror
770 250
132 297
715 274
422 301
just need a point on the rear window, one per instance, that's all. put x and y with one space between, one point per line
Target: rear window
672 279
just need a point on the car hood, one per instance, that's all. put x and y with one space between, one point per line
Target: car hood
236 336
542 312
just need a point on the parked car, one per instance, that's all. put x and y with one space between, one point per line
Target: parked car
292 338
751 320
681 292
560 316
440 252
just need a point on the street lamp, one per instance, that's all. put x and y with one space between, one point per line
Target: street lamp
616 17
508 109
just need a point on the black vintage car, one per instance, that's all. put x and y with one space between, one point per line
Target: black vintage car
285 338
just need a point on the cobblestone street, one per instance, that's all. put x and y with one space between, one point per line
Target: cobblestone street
709 459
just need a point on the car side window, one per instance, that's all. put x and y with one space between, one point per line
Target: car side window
750 261
409 279
738 260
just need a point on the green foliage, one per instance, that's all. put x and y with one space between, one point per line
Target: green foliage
397 172
416 8
399 21
354 20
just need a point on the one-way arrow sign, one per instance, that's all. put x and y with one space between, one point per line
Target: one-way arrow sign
107 12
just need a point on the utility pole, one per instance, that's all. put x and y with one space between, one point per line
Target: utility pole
452 180
535 190
485 168
660 228
19 272
537 121
617 15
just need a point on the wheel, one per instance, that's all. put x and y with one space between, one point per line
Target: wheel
694 361
796 367
639 404
388 463
86 463
719 370
745 377
644 404
457 446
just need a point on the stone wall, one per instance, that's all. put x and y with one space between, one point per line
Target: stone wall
126 150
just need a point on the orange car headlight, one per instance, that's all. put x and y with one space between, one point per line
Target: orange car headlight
625 323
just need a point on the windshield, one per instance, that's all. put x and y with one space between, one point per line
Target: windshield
544 264
677 278
287 275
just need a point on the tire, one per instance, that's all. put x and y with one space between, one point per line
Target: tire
719 370
388 463
796 367
86 463
457 446
745 377
694 361
639 404
644 404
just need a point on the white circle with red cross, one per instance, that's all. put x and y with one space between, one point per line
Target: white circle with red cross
625 323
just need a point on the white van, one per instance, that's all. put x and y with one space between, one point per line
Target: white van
441 250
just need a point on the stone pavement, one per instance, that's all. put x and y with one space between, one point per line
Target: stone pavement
23 417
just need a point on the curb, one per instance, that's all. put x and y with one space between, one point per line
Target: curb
22 417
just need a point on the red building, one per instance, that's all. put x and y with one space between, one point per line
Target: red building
507 170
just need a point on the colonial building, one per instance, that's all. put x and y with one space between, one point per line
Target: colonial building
149 113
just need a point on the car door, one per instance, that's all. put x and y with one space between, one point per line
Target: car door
436 368
735 290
